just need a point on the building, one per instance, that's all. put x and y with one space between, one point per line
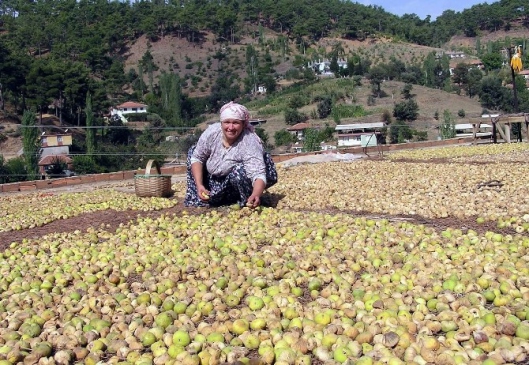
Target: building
323 67
47 161
474 63
298 130
55 144
129 107
455 54
467 130
350 135
328 146
297 147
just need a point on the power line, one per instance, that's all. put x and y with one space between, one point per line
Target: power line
106 127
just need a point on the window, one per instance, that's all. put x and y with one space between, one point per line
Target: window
59 139
44 140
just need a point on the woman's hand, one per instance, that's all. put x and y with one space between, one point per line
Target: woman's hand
253 201
203 193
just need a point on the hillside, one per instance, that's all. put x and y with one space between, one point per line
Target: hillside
198 65
378 49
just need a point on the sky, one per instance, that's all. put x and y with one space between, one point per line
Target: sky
424 7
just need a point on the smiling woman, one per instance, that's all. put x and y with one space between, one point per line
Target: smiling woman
228 164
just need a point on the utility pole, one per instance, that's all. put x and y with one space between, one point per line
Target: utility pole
513 76
510 51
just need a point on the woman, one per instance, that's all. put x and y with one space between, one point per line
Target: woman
228 164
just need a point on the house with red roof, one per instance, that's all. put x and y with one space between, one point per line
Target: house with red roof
298 130
128 107
47 161
132 107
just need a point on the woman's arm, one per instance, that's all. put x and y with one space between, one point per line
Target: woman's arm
199 158
197 170
258 188
255 168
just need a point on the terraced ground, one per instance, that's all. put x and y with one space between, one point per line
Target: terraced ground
421 257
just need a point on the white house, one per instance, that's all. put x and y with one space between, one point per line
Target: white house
130 107
456 54
350 135
324 66
327 146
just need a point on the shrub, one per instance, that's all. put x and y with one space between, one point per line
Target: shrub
16 169
283 138
85 165
297 101
325 108
293 116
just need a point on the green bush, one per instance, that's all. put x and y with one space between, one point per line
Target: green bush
85 165
293 116
297 101
16 169
348 111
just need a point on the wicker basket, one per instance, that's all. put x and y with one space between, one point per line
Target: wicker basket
152 185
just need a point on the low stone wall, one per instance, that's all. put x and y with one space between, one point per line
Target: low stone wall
180 169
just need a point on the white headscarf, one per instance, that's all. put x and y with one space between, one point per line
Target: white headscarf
236 111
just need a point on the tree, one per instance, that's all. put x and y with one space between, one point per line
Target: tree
223 91
406 110
400 132
492 61
43 84
90 132
491 93
57 167
30 143
264 137
293 116
447 129
406 92
376 76
16 169
473 82
325 107
310 140
4 171
460 75
120 135
171 98
283 138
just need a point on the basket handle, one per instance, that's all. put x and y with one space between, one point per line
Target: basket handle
148 167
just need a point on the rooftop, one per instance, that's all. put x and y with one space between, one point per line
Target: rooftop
299 127
346 127
50 159
132 104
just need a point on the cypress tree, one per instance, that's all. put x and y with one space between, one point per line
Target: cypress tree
30 142
90 132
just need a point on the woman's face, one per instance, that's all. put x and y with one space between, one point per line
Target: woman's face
232 129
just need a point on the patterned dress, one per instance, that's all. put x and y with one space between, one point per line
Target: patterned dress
228 173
